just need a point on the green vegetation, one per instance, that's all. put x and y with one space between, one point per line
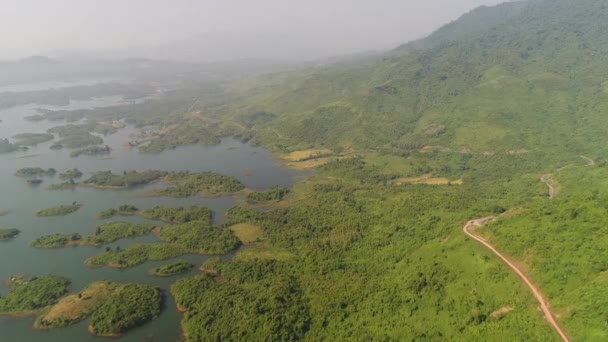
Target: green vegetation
135 255
106 214
8 233
112 231
171 269
194 237
32 139
76 136
123 210
61 210
106 179
57 240
71 174
177 215
77 307
495 99
200 237
207 183
104 234
91 151
259 306
33 294
35 172
6 146
36 181
274 194
63 186
132 306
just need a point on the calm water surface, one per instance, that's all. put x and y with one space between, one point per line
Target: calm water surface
252 165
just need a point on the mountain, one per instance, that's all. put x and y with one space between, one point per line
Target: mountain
498 106
536 64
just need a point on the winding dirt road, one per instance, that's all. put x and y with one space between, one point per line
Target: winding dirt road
468 230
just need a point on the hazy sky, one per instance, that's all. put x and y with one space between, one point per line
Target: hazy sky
44 26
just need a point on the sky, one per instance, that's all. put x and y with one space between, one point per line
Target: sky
43 27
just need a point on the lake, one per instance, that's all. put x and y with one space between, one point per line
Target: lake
254 166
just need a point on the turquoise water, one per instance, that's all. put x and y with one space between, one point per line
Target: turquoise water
252 165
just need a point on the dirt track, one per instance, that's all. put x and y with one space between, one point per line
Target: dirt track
545 179
468 227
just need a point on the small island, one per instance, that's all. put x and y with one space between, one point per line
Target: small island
63 186
35 172
188 184
61 210
71 174
104 234
123 210
8 233
32 139
108 180
33 294
194 237
177 215
91 151
133 306
35 181
171 269
7 147
57 241
114 308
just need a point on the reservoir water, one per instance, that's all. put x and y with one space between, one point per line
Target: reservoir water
252 165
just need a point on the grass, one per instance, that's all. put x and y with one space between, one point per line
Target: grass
61 210
247 232
77 307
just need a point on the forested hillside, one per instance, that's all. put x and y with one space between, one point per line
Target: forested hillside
408 147
517 76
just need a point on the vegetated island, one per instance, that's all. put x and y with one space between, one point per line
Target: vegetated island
71 184
71 174
32 139
178 215
29 295
188 184
123 210
104 234
108 180
91 151
274 194
35 172
114 308
194 237
8 233
75 136
61 210
7 147
172 269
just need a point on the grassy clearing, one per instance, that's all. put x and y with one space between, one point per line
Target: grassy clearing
427 179
76 307
302 155
247 232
